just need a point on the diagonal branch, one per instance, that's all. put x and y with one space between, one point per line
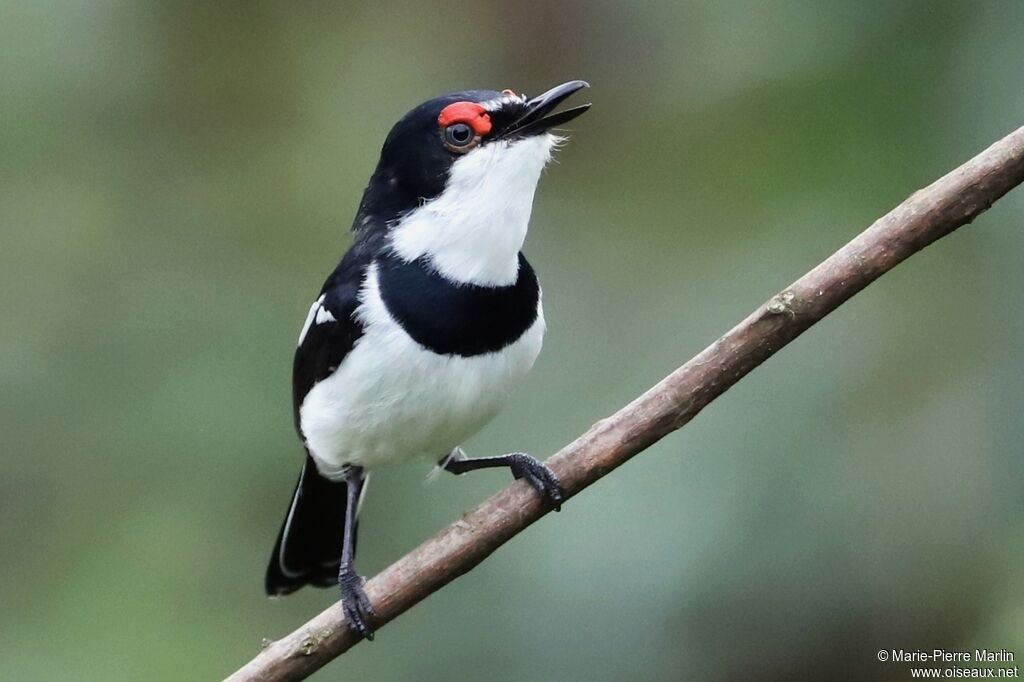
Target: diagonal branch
927 215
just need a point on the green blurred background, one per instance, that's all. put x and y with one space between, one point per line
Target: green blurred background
176 179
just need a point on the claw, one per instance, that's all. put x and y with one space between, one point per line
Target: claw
540 477
356 605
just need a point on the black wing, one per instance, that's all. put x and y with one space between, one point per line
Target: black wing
308 548
331 329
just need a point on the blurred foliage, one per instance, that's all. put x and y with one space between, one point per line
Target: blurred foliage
176 178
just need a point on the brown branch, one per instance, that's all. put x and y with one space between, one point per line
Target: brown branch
931 213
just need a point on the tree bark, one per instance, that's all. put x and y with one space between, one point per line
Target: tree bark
927 215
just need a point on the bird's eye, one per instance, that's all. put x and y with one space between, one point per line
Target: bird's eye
460 137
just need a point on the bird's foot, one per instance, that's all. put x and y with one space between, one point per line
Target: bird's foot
539 476
355 604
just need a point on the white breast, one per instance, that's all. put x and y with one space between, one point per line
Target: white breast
391 399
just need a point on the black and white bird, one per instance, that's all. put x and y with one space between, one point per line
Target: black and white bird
426 325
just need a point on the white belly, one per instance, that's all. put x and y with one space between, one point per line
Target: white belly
392 400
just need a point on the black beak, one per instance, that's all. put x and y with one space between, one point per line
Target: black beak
535 120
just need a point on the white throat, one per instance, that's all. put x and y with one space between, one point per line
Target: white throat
473 231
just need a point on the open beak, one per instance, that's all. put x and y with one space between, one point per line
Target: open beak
535 119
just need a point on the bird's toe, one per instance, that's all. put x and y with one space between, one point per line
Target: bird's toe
543 480
357 606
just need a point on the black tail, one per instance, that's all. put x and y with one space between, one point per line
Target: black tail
308 548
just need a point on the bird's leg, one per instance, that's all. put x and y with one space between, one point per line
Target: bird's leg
522 465
354 601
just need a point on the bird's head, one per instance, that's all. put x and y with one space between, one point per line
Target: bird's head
457 175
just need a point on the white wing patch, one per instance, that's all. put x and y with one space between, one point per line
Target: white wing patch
324 315
318 314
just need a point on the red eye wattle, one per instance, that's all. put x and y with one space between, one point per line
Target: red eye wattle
470 113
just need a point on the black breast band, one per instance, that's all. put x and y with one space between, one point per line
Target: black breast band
457 319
